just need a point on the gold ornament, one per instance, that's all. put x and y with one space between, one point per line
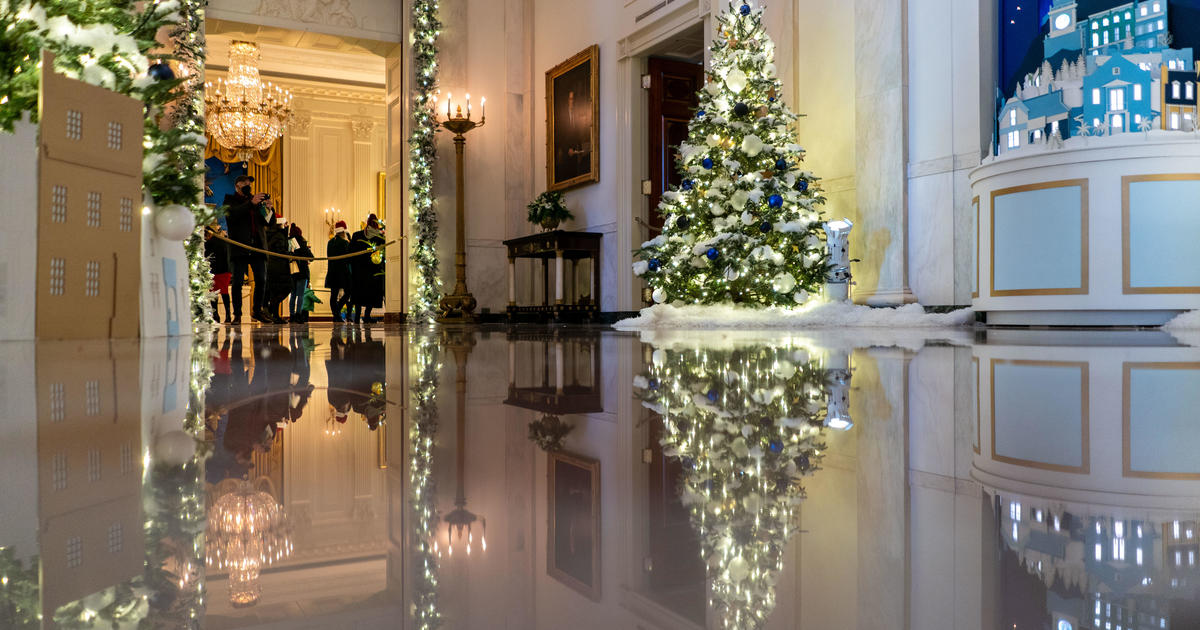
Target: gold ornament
377 256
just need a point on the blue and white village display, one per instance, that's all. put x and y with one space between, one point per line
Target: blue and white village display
1110 72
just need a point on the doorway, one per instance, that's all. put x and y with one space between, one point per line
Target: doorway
672 101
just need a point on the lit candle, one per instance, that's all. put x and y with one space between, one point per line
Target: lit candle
449 96
468 104
483 108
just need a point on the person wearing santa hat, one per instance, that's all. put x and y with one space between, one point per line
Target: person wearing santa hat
339 277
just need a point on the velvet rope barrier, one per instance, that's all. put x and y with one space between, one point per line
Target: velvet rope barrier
302 258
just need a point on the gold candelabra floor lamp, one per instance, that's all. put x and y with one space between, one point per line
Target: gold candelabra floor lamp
459 305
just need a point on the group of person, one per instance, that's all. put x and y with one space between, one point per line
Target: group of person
356 283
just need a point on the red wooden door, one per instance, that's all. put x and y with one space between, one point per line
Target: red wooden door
673 101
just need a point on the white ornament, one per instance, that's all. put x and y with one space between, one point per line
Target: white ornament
739 199
174 222
712 88
640 267
801 297
731 274
747 218
739 569
769 70
659 296
659 358
785 369
736 80
752 145
175 447
713 140
717 209
783 283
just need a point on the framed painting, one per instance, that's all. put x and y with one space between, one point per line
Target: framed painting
573 121
573 537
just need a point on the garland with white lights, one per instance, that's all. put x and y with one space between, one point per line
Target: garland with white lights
427 26
422 433
110 43
744 226
746 424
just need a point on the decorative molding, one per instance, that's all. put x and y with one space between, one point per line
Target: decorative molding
1126 253
1127 470
1084 228
362 129
330 12
1085 448
301 121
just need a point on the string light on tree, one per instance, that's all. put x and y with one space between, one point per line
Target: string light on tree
745 210
427 27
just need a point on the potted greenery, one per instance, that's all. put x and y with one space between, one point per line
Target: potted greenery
548 210
548 432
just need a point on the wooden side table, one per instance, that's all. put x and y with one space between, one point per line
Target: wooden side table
559 245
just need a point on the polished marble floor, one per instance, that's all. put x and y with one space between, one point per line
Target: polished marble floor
574 478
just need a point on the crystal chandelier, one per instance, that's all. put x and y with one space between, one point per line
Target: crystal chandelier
247 530
243 113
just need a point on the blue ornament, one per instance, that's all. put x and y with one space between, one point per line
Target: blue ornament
688 462
741 109
654 264
776 446
802 462
712 395
682 223
700 114
160 72
765 227
707 163
775 201
712 253
653 384
745 9
771 98
781 164
802 185
687 184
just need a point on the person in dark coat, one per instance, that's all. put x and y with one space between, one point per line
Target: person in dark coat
217 253
245 215
279 272
368 276
338 277
300 274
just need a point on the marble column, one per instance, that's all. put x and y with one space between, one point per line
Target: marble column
880 237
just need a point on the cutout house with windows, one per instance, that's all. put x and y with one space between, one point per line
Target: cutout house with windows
1107 73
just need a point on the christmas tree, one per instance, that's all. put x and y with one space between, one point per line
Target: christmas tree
743 227
746 424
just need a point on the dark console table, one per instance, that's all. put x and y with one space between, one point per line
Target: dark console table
558 246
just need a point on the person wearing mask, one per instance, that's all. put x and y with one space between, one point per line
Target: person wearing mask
279 270
300 275
368 276
217 252
246 216
338 278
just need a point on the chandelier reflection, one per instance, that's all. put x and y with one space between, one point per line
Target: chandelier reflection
243 113
247 531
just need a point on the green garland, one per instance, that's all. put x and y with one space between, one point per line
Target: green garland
109 43
746 424
422 432
427 26
20 605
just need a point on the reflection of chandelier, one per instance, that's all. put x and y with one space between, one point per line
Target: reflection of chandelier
247 530
243 113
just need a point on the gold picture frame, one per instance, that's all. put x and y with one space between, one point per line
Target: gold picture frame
573 122
573 531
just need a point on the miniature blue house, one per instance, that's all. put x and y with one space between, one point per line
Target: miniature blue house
1117 96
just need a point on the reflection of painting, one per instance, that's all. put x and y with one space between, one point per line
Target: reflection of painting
573 540
572 121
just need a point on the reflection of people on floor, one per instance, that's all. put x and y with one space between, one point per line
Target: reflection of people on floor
301 347
357 372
